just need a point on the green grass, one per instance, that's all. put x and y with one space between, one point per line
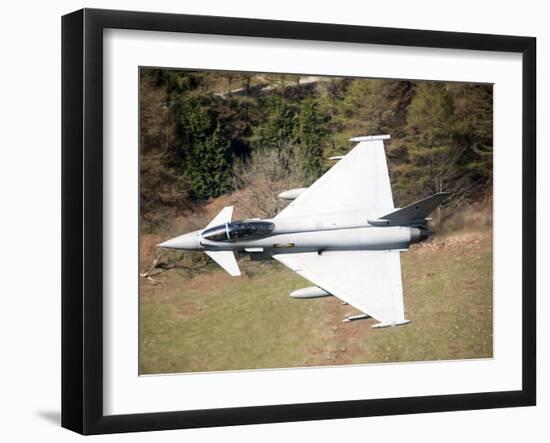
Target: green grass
213 322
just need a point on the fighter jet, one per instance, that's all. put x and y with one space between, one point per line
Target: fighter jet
343 234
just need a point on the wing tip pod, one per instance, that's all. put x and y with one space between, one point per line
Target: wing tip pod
370 138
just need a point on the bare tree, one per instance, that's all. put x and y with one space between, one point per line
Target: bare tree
265 175
164 261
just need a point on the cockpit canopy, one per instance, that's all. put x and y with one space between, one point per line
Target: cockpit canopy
238 231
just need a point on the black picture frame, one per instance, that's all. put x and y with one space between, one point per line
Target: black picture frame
82 218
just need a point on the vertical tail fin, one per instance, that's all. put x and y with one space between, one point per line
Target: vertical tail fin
418 210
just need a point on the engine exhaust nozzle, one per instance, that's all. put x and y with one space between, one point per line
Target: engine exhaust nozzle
419 234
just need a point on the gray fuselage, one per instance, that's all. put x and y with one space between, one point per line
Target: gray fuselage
349 230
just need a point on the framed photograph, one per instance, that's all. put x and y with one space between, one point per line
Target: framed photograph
269 221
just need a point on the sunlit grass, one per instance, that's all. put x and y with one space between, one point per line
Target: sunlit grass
213 322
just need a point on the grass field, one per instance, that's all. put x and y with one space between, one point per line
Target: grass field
213 322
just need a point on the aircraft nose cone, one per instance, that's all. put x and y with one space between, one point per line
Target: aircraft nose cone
186 241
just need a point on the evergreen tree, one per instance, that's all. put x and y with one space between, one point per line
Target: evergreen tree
192 129
278 124
209 168
433 157
449 142
204 151
474 131
376 106
311 133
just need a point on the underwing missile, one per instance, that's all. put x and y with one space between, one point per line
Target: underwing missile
357 317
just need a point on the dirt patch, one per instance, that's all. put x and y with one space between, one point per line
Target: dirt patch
479 215
148 249
474 240
205 282
345 349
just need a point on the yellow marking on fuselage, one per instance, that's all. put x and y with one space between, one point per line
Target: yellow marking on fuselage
283 245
